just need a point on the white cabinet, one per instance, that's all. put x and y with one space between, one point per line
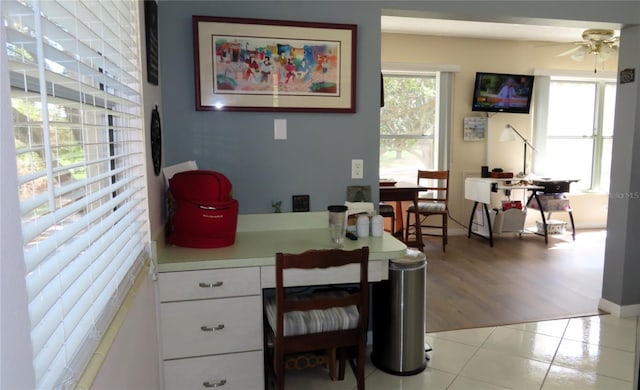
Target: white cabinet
238 371
211 328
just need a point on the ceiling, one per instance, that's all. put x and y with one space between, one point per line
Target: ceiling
484 30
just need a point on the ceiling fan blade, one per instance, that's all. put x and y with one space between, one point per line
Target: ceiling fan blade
613 42
580 54
572 51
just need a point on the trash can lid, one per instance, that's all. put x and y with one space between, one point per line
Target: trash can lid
412 259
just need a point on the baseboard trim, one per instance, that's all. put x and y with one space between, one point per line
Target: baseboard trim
617 310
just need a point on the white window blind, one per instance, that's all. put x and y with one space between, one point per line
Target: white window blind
75 94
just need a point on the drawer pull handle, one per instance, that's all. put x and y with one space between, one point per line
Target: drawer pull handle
210 285
210 329
217 384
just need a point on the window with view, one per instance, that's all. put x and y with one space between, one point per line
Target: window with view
580 132
409 137
74 76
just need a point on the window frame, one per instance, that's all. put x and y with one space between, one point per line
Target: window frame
444 77
597 136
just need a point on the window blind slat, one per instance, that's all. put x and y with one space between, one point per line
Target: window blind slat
64 190
40 280
62 237
83 320
75 89
73 286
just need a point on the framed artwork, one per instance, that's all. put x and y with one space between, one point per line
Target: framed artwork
274 65
300 203
358 193
474 128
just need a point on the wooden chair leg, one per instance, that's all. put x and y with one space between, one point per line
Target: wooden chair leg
445 239
343 361
360 368
278 368
332 363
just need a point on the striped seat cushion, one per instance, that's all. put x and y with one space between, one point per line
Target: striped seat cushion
313 321
429 206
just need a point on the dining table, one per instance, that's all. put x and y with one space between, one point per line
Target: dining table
398 193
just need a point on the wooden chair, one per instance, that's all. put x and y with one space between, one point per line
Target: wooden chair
433 202
387 211
288 333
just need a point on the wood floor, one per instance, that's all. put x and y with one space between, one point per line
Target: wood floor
519 280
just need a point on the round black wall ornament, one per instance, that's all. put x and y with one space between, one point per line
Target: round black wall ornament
156 141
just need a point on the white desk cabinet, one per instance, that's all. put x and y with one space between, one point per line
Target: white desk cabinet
210 325
211 299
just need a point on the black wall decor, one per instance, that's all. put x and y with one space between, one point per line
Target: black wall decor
151 39
156 141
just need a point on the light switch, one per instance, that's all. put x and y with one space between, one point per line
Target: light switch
280 129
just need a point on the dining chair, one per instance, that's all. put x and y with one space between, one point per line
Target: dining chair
433 201
387 211
325 319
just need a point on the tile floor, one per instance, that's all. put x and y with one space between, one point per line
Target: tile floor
578 353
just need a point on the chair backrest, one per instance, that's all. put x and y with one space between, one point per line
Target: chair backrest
322 259
437 185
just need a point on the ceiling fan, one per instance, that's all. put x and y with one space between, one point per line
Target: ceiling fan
599 42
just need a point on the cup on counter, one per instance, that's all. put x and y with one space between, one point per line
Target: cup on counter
362 226
337 224
377 225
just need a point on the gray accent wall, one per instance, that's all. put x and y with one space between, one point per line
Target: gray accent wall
316 157
622 255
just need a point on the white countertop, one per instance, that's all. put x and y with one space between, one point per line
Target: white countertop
260 236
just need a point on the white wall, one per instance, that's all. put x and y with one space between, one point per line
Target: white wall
132 361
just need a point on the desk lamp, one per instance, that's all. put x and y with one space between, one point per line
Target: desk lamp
508 135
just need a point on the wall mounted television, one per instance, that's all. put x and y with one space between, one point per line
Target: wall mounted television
502 92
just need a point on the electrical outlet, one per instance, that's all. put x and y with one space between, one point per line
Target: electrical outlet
357 169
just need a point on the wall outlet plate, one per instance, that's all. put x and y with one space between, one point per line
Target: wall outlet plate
300 203
357 170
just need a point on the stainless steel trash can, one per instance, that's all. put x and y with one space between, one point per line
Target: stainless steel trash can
398 311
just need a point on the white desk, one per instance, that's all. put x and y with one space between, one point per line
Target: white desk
211 299
479 190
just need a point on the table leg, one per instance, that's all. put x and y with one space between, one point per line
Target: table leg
486 212
399 224
473 212
544 220
573 226
419 242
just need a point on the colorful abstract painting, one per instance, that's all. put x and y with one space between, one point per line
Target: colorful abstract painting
261 65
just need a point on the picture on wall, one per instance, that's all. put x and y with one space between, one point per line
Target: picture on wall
474 128
269 65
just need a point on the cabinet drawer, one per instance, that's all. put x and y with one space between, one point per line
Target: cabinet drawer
239 371
230 325
217 283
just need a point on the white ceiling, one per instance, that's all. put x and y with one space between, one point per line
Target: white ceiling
485 30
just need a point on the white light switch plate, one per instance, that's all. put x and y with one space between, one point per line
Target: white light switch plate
279 129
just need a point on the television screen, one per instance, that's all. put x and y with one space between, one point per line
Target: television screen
501 92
